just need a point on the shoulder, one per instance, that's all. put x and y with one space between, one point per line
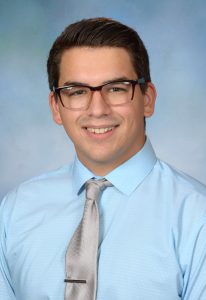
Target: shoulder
60 173
178 179
183 195
38 190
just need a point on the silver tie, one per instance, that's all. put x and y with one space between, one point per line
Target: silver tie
81 256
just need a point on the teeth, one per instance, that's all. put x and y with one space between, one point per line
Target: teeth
99 130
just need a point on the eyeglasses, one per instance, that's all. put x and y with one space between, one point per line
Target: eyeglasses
114 93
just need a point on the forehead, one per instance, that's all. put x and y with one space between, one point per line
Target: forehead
95 65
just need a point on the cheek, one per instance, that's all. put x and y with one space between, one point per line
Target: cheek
131 113
134 120
68 121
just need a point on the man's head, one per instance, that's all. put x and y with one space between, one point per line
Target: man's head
99 32
98 92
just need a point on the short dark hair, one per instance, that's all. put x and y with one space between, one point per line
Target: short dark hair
99 32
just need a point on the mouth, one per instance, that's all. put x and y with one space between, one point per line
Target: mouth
101 130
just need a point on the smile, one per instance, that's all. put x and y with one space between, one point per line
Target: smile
99 130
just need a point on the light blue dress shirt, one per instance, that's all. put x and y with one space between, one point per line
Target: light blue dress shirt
152 237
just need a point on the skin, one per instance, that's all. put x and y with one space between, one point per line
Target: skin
101 153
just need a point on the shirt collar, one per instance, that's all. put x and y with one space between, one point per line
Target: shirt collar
126 177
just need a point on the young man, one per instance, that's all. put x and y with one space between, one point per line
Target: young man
149 223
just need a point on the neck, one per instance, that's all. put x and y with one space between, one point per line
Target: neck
104 167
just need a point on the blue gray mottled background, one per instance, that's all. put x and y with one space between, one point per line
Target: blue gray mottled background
175 36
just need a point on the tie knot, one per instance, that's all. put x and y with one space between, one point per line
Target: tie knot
95 187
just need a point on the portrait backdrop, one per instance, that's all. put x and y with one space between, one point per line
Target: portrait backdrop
174 33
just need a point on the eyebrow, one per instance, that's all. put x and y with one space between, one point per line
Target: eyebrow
67 83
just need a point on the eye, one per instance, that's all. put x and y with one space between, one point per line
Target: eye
118 87
75 91
78 92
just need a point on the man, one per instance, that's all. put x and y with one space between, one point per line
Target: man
149 223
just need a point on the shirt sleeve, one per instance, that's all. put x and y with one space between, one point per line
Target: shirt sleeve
6 289
192 246
195 271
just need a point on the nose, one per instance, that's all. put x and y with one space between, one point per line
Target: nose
98 107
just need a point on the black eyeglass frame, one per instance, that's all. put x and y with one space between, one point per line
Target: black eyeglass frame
57 90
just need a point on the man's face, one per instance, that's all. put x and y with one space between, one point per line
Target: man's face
102 152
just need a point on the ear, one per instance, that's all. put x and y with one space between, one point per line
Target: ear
149 99
54 106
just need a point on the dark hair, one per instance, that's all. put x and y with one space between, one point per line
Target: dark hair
99 32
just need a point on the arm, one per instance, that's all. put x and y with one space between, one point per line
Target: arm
6 290
195 265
